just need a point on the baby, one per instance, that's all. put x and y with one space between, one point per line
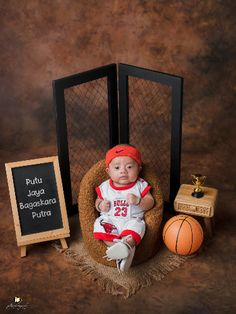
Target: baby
122 201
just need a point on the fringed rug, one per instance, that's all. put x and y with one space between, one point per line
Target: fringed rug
108 278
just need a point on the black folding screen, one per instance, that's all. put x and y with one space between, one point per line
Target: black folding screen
87 124
151 118
89 121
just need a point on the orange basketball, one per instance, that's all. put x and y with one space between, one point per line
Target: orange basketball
183 235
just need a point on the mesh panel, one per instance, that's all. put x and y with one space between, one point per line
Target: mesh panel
88 129
150 125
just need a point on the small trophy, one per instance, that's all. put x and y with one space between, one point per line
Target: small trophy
198 180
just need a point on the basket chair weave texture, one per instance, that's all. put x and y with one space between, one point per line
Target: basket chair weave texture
87 215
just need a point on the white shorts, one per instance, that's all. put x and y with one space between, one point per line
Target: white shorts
108 228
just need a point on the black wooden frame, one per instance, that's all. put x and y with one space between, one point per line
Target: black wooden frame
176 83
59 87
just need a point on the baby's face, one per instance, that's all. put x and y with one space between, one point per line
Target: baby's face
123 170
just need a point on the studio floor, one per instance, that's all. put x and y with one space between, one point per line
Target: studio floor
47 283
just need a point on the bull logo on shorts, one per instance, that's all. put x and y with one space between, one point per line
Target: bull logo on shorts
108 227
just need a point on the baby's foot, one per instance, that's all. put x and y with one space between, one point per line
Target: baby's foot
119 250
125 263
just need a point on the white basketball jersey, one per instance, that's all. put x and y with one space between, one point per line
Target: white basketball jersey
117 196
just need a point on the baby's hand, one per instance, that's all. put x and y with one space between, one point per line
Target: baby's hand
104 206
133 199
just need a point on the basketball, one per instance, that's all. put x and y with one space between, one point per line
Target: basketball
182 235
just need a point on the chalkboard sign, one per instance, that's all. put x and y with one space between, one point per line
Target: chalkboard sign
37 200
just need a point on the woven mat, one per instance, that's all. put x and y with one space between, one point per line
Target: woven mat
108 278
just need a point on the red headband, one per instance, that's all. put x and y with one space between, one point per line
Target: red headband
123 150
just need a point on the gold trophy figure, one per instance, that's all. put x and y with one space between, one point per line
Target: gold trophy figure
198 180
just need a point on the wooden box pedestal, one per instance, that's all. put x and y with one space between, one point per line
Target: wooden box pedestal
203 207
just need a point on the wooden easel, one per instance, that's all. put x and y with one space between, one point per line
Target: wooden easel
23 247
38 236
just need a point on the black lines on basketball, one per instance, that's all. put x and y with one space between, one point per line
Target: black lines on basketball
191 245
165 230
177 238
196 223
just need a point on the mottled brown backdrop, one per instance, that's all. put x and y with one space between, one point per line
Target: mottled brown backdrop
42 40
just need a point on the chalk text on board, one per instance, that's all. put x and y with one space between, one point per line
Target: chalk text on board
34 181
39 203
36 193
41 214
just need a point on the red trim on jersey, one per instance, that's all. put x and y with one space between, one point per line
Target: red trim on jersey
104 236
145 191
124 187
99 193
110 237
134 235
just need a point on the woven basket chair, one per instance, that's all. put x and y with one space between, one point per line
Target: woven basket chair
87 215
